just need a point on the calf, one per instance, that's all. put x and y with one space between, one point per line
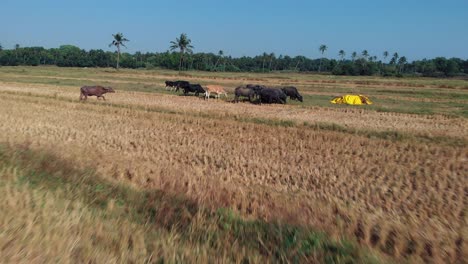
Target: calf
98 91
217 89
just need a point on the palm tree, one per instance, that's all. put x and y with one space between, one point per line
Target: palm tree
17 46
322 49
365 54
220 55
1 48
342 54
272 56
353 55
183 44
401 62
118 41
395 57
385 55
264 56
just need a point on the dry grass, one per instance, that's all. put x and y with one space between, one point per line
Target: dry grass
404 198
53 212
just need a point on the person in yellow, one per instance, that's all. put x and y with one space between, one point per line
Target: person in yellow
352 99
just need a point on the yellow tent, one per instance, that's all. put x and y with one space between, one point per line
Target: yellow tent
351 99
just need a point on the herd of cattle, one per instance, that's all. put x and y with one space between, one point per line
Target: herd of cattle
254 92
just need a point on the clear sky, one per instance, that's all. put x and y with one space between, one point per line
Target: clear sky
414 28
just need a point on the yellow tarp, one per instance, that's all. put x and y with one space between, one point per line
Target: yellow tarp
351 99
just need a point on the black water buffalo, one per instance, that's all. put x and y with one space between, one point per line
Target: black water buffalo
170 84
193 88
98 91
181 85
272 96
245 92
292 92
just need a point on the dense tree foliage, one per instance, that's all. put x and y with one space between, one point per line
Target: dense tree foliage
364 64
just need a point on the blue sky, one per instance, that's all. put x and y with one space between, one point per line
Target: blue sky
415 29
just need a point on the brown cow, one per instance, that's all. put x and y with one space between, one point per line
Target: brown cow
98 91
217 89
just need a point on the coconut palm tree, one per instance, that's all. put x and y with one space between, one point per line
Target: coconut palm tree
394 58
342 54
272 56
264 57
354 55
401 62
385 55
322 49
183 44
17 46
118 41
220 55
365 54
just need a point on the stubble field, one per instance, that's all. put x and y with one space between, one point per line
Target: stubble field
392 176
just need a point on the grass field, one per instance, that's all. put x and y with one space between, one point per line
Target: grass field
150 175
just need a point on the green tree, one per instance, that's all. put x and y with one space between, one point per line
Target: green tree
385 55
220 56
394 58
401 63
264 57
183 44
322 49
342 54
17 46
353 56
272 56
118 41
1 48
365 54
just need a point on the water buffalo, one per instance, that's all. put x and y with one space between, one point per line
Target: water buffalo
272 96
256 87
292 92
170 85
217 89
98 91
181 85
245 92
193 88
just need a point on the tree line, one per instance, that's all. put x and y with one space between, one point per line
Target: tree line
181 57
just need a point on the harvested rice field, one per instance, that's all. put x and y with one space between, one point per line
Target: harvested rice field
390 178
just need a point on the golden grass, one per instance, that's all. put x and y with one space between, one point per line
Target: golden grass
42 225
404 198
356 118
